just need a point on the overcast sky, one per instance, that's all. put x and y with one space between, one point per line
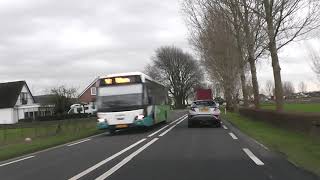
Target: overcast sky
50 42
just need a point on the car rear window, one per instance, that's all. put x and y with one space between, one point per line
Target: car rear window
204 103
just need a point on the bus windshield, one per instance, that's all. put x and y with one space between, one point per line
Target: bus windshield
119 98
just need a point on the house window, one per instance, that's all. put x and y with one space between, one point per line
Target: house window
24 98
93 91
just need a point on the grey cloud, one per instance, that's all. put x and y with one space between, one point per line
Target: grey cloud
49 43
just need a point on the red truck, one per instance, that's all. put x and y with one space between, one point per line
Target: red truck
203 94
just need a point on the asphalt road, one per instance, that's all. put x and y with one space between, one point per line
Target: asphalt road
167 151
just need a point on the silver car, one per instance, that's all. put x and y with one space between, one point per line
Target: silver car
204 112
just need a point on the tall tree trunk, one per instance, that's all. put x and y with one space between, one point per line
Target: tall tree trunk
179 101
228 98
274 56
242 63
255 84
251 59
277 77
244 88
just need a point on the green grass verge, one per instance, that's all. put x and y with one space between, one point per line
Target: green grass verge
299 148
70 132
312 107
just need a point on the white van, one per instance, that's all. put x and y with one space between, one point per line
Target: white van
83 109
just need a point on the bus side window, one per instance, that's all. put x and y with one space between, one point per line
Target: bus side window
145 96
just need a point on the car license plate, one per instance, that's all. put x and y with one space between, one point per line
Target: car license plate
121 126
204 109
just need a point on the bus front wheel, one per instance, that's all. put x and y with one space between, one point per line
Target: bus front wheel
112 131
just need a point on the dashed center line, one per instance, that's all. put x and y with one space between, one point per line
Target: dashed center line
233 136
224 127
125 160
78 142
18 160
253 157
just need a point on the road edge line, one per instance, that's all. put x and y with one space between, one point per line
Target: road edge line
233 136
253 157
72 144
18 160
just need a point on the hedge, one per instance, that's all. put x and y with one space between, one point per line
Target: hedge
58 117
308 123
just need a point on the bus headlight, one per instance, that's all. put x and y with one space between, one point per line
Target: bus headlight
139 117
101 120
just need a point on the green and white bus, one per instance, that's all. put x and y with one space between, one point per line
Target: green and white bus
130 99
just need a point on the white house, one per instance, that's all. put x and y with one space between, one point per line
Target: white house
16 102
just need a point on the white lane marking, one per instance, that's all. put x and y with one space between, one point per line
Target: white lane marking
78 142
233 136
125 160
165 132
224 127
253 157
11 162
184 116
85 172
181 120
158 131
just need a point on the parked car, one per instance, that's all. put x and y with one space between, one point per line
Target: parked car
204 112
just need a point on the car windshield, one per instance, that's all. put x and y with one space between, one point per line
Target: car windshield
204 103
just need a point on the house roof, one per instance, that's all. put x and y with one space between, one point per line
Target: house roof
91 84
9 93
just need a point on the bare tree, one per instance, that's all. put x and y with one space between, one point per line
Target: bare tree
285 21
302 87
315 58
269 88
218 51
288 88
251 26
178 70
246 27
62 98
